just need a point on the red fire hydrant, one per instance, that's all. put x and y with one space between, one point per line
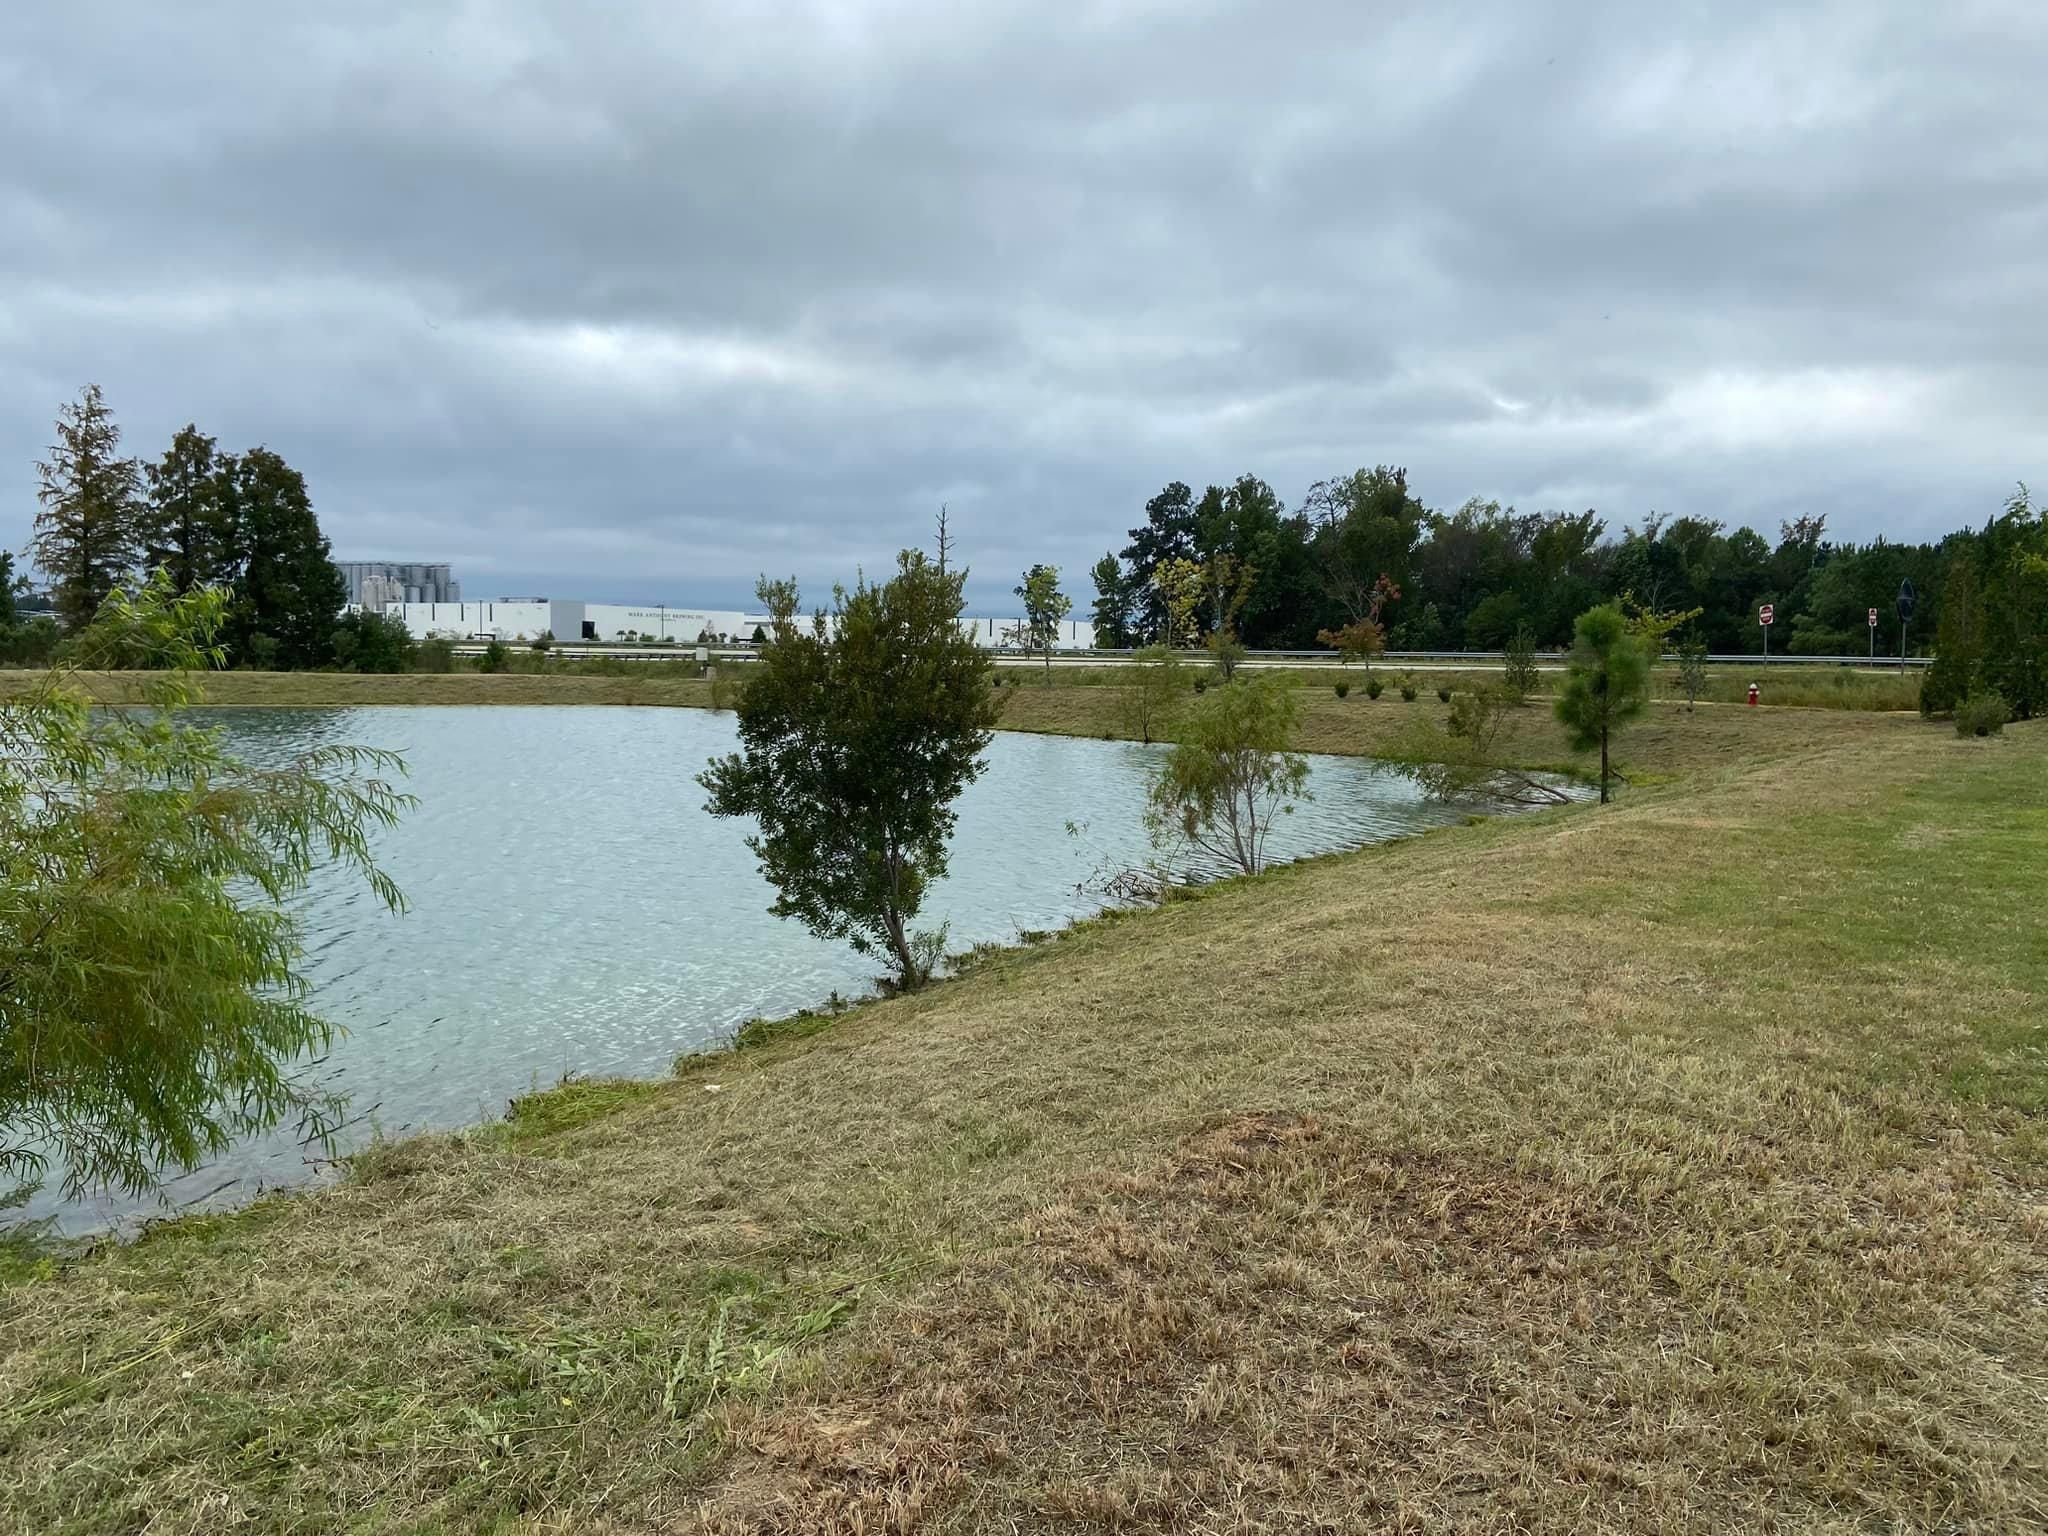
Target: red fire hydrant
1752 695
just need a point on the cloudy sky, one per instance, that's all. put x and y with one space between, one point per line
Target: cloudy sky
636 300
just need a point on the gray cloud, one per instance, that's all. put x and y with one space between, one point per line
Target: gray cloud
639 300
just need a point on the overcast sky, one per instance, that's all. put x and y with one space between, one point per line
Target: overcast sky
637 300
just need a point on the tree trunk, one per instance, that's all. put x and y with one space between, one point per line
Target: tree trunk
1603 765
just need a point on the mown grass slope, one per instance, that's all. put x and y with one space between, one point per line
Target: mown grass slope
1675 1165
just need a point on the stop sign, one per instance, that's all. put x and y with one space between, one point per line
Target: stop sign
1765 614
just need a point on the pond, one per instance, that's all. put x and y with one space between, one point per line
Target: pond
574 909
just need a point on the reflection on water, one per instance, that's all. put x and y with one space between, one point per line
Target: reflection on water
574 909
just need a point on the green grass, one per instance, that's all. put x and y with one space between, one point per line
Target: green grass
1673 1165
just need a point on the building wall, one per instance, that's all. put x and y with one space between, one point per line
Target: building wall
398 581
524 618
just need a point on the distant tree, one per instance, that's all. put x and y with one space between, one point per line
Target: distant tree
372 642
1152 688
760 635
1518 668
1606 686
2015 555
1692 670
185 522
1231 774
1045 609
495 656
1364 637
1113 602
543 642
1228 650
87 533
1167 535
1958 641
1179 588
149 951
286 586
857 736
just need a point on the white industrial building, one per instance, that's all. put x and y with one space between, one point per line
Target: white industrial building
526 618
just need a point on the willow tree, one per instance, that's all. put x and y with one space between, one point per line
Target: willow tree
1232 774
151 1002
858 731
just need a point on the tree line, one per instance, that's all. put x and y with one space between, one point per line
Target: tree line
1362 549
240 523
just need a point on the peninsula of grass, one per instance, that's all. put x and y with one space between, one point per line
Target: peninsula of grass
1675 1165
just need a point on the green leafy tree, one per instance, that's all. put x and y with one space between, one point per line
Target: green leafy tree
286 584
87 533
495 656
1178 586
2016 607
1462 760
1167 535
1518 667
1692 671
1113 603
374 642
1045 609
857 736
1153 687
1958 640
185 526
1232 773
1607 684
149 953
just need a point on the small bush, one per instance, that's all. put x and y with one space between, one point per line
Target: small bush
1444 694
434 654
1408 689
494 657
1343 687
1982 714
1201 684
1374 688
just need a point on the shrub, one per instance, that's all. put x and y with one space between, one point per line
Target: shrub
1982 714
1343 687
1519 669
543 641
1444 694
494 657
436 653
1408 689
1201 684
1374 687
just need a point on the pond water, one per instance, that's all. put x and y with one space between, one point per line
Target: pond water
574 909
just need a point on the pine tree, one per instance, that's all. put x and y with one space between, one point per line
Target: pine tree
185 525
86 533
287 589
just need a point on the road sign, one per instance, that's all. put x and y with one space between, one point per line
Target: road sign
1873 618
1765 614
1906 598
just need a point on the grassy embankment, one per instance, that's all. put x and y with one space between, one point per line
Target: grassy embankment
1674 1165
676 683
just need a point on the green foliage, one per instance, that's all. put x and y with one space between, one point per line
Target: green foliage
1409 690
1444 695
1343 688
1374 687
1045 608
89 527
1692 670
1231 774
495 656
149 952
374 642
286 585
544 642
1152 688
760 635
1113 602
434 654
1607 685
856 739
1518 668
1982 714
1461 760
1229 654
187 525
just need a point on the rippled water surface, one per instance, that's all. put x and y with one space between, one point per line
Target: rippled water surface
574 909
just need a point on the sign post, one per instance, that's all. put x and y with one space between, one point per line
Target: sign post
1905 614
1873 636
1764 615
